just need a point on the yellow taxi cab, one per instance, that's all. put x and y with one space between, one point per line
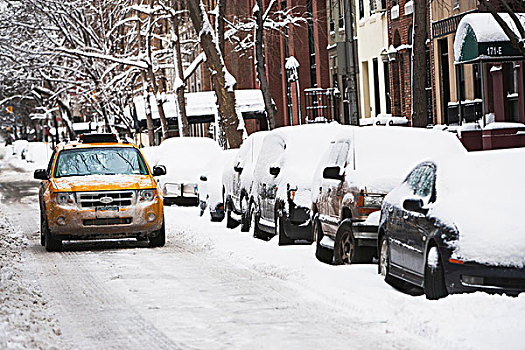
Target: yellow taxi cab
99 188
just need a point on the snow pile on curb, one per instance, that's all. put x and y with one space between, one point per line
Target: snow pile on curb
25 322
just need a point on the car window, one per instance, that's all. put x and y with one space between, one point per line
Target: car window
426 182
100 161
338 153
413 178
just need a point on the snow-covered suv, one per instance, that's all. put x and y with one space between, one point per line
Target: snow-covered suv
283 178
237 180
361 166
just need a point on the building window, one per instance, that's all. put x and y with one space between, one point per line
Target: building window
331 15
341 15
373 7
410 35
311 45
361 9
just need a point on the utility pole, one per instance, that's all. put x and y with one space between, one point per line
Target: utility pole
419 65
351 64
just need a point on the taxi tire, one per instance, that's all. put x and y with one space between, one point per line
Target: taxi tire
160 238
43 230
52 243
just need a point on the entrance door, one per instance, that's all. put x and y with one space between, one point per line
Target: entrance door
445 79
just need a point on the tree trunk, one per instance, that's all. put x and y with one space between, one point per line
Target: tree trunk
260 65
419 66
153 79
158 101
228 117
179 81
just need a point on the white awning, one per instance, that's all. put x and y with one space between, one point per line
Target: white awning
201 104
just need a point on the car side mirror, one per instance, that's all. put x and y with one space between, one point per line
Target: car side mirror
332 172
203 178
159 170
415 205
41 174
238 169
275 170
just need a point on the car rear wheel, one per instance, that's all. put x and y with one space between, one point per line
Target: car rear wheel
322 254
160 238
257 232
246 219
434 287
279 230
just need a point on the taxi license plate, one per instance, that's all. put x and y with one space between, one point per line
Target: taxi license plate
106 212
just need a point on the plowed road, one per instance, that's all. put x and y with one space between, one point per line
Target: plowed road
124 295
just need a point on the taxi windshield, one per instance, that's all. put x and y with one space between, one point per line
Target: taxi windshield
100 161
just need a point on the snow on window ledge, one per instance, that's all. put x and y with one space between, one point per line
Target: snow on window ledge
409 8
394 12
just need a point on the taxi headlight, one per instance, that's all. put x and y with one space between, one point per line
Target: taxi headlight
65 198
147 195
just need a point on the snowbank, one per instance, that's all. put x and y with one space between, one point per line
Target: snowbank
25 321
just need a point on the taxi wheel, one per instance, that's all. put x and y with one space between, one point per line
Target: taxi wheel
52 243
160 239
43 230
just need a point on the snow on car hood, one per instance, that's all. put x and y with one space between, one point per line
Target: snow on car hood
482 194
103 183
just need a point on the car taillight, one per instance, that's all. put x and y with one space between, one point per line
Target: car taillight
292 194
368 203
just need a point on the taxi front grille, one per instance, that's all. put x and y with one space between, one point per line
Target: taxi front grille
103 199
107 221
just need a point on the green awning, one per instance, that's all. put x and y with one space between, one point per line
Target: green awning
480 38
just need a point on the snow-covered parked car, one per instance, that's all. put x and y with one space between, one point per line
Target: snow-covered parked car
283 178
361 166
210 185
455 225
237 180
185 159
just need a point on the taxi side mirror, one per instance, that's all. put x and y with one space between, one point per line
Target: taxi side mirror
41 174
159 170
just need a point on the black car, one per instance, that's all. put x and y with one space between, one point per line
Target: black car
453 226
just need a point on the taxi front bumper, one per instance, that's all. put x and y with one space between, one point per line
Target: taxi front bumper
137 220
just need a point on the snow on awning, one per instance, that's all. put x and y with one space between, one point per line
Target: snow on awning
203 104
480 38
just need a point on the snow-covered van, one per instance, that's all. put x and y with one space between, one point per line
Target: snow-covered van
99 188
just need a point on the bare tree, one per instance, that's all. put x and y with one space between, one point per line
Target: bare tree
223 82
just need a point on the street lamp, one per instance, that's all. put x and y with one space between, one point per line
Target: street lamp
291 67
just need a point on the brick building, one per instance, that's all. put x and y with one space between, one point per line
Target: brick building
306 42
400 36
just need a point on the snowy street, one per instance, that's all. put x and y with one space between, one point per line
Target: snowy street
211 287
